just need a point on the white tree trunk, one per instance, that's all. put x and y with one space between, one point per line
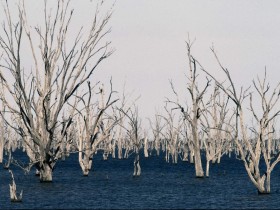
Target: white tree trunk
45 173
113 149
207 168
146 154
157 146
1 148
120 147
120 142
86 165
185 156
85 160
191 157
267 184
13 190
196 149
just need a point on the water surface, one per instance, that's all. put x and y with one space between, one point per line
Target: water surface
161 186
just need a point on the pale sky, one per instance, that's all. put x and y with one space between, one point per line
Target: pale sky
149 38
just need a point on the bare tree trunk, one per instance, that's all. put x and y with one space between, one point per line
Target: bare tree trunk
157 146
13 190
267 182
1 148
167 154
120 148
191 156
198 165
113 149
84 160
146 154
185 156
8 163
45 172
196 149
207 167
2 140
219 157
126 152
137 168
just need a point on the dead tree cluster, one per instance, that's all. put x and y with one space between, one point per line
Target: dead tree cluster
54 108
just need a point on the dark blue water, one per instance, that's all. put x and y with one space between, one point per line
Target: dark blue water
161 186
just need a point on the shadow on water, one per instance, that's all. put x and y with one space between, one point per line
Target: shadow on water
161 185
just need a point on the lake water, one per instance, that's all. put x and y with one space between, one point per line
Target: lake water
161 186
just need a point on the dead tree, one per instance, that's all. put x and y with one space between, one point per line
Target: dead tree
123 107
172 135
157 129
252 150
94 126
216 122
192 112
59 69
2 138
134 136
187 145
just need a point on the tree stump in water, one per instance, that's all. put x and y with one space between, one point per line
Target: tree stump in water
13 190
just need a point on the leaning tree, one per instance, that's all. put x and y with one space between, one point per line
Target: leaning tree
39 91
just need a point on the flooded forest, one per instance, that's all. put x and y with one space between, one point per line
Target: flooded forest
71 141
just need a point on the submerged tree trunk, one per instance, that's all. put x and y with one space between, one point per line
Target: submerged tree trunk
13 190
198 165
157 146
46 172
207 168
191 156
2 142
137 168
120 148
268 182
1 153
146 154
1 150
264 184
120 141
7 164
196 149
185 156
86 165
85 160
219 158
